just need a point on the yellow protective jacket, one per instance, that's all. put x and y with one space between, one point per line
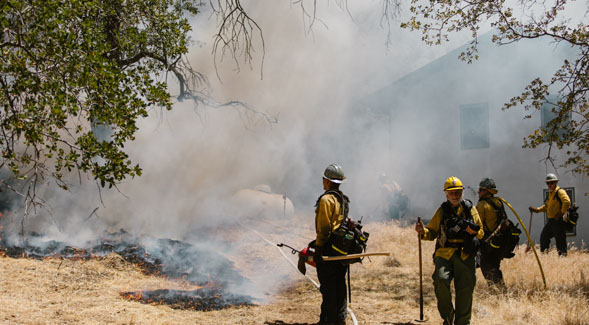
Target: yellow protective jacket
432 231
553 209
487 212
329 215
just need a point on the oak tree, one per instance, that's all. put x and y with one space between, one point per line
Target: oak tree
76 75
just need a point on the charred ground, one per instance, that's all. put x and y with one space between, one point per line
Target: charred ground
57 289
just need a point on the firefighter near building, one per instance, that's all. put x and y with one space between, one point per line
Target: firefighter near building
457 229
501 235
556 207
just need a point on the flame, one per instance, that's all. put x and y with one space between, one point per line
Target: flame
79 254
137 295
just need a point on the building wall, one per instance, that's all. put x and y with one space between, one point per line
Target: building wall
424 135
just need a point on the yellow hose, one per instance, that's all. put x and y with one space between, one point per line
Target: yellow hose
529 239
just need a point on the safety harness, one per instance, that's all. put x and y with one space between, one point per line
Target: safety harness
450 234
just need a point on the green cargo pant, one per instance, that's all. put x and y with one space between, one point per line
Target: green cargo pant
463 273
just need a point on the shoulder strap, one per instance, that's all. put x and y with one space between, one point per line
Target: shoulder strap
342 199
447 211
466 206
557 197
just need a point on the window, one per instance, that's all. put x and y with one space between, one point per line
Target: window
474 126
102 132
549 112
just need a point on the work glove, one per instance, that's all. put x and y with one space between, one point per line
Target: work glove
565 217
420 228
318 255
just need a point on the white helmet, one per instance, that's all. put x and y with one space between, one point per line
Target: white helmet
334 173
551 178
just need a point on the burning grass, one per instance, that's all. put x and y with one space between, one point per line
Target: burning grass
168 258
384 290
205 299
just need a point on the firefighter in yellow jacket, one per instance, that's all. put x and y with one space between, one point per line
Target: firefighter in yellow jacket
489 208
555 206
331 210
456 244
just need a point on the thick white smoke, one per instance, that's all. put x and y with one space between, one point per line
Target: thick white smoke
313 80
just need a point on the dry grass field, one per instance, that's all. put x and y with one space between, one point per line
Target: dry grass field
384 290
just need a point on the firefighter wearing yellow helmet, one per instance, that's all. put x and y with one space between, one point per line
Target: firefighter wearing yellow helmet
456 226
555 206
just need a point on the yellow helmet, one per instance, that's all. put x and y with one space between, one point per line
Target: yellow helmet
453 183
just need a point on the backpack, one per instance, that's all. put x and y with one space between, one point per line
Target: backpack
572 213
348 238
503 242
573 217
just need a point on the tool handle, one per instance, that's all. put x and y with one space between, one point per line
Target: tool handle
420 275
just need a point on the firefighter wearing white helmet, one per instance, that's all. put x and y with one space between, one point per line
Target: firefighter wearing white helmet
555 206
331 209
456 245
